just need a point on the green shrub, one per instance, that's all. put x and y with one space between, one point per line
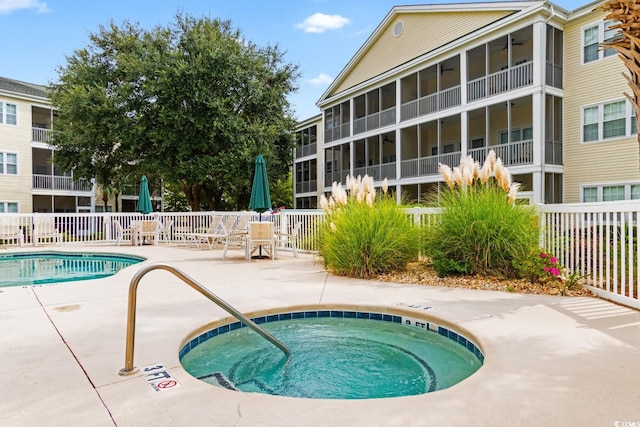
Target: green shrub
363 237
481 229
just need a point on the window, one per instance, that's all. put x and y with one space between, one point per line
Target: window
477 143
8 207
590 194
611 193
613 121
590 42
590 124
608 120
524 134
609 35
8 163
8 113
592 37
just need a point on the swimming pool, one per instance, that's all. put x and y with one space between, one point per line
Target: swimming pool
43 268
336 353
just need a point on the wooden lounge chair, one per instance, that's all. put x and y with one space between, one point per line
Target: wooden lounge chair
44 229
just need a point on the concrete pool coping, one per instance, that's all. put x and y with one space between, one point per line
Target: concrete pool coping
548 360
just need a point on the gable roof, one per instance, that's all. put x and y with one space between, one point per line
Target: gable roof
426 28
22 88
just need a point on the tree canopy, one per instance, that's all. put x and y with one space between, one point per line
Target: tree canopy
193 102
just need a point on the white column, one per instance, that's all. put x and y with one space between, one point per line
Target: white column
538 108
463 78
539 52
464 134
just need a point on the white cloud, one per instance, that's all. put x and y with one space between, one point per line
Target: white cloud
319 23
321 80
8 6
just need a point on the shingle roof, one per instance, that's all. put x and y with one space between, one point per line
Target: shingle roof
22 87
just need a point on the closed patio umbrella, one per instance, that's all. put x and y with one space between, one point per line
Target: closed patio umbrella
144 198
260 196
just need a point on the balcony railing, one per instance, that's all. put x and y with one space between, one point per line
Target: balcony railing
428 165
306 186
40 135
338 132
502 81
306 150
62 183
375 120
431 103
512 154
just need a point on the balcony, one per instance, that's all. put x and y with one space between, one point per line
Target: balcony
428 165
378 172
306 150
61 183
512 154
431 103
502 81
336 133
40 135
375 120
306 186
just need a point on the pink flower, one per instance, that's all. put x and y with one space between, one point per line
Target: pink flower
555 271
554 260
543 255
546 269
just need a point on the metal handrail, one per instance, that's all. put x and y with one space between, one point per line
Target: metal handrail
131 312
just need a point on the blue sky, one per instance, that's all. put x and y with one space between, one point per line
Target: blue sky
321 36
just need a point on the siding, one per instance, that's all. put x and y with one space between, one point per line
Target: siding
17 139
422 33
610 161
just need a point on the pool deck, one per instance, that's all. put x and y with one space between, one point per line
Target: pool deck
550 361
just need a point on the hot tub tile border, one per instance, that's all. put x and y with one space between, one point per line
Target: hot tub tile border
349 314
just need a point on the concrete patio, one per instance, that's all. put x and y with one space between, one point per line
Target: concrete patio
549 361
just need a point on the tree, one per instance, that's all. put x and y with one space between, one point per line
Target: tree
193 101
626 15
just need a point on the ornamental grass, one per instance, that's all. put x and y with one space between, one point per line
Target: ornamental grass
366 234
481 229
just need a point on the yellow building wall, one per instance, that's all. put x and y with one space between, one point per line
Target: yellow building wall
611 161
17 139
422 32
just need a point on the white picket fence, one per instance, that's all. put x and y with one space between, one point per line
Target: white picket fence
597 240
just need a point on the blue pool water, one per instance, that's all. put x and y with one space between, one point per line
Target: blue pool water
42 268
333 357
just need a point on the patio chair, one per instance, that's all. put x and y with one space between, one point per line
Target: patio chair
122 233
44 229
165 231
290 238
10 230
236 234
149 229
260 237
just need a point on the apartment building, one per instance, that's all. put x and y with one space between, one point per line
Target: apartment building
29 178
435 83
